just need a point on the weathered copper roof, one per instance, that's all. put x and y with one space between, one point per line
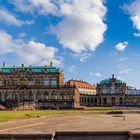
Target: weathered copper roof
35 69
107 81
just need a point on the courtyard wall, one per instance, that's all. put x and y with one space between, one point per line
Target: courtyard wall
107 135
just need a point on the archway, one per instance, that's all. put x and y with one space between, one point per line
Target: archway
95 100
0 97
113 101
120 101
104 101
100 101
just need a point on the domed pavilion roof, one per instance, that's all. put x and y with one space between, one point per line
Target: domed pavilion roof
107 81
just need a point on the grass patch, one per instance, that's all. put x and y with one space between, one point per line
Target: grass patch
12 115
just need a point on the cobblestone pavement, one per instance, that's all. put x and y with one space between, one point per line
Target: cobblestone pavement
76 122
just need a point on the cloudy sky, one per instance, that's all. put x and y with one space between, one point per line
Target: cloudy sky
88 39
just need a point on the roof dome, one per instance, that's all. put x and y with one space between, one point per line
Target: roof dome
119 82
107 81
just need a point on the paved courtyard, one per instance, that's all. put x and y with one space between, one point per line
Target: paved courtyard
77 122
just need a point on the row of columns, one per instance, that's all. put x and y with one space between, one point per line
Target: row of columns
101 101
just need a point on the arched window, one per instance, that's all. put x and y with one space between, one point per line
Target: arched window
54 81
112 89
39 81
120 101
0 96
46 81
30 95
62 94
31 82
0 82
54 95
38 96
46 95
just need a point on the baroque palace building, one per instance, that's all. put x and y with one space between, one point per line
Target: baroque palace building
114 92
43 87
111 92
36 87
87 91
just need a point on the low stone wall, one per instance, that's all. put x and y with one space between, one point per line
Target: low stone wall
92 136
26 136
125 135
134 135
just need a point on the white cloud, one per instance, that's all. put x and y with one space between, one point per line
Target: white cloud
82 56
113 53
121 78
30 52
124 69
122 59
121 46
8 18
136 34
73 69
97 74
133 9
42 7
82 26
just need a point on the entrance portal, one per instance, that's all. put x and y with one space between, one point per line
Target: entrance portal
113 101
105 101
95 100
120 101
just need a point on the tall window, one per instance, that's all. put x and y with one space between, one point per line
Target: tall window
53 81
39 81
112 89
30 95
7 82
0 96
46 95
54 96
104 90
0 82
46 81
31 82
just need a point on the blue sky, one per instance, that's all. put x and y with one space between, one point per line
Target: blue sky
89 40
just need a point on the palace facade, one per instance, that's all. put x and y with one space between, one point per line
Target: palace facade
87 91
37 87
43 87
113 92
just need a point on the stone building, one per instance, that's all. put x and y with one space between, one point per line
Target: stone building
132 97
114 92
87 91
36 87
111 92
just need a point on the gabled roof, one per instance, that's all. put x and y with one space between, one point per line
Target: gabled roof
80 83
